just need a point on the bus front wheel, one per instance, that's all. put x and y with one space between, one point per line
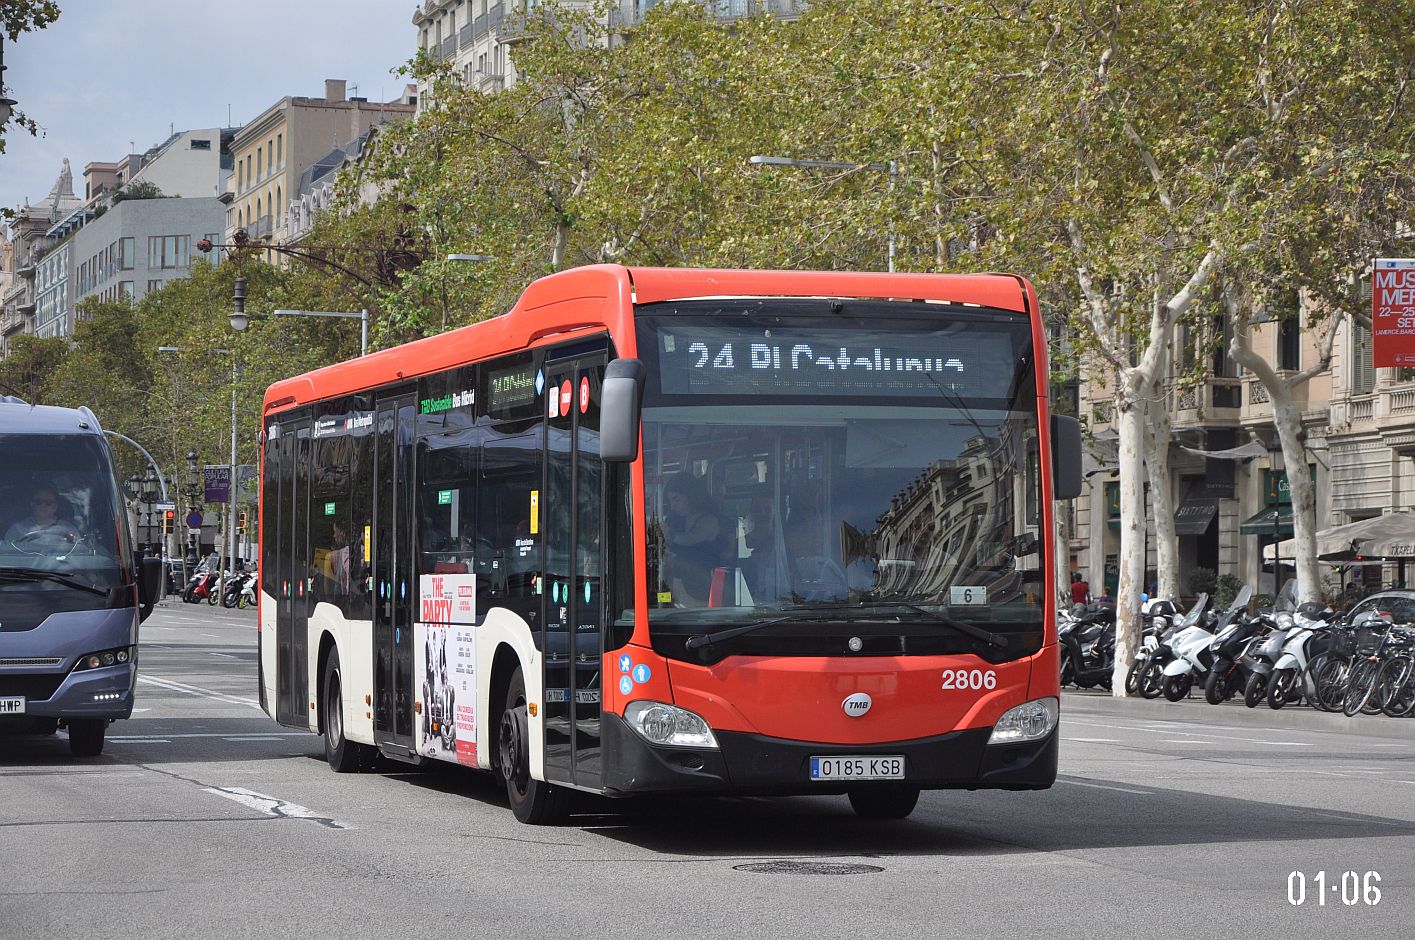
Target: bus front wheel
887 801
86 736
533 801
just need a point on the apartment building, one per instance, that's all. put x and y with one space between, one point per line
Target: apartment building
270 154
31 240
477 37
1228 482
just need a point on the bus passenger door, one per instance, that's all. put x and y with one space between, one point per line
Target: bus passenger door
393 589
574 514
292 620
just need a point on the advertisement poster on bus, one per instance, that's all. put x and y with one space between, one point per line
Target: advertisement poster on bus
1393 312
446 649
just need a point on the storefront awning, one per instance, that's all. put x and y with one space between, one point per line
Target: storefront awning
1195 515
1262 523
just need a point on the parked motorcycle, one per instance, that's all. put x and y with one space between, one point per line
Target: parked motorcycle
235 585
1155 651
1309 637
247 597
1193 649
201 587
1236 649
1088 649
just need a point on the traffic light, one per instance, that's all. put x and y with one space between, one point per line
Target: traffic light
241 521
169 521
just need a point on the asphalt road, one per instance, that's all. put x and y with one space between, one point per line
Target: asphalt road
205 818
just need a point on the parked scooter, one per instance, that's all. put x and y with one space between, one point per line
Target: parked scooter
1088 649
231 591
1155 651
247 596
1309 637
200 587
1236 649
1193 652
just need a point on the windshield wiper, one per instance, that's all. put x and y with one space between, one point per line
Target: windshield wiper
20 575
869 613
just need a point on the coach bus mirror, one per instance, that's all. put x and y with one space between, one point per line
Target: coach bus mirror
1065 457
619 416
149 585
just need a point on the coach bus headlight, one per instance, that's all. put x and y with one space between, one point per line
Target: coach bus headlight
98 660
1030 721
669 725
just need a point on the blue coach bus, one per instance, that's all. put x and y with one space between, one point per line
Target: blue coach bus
71 592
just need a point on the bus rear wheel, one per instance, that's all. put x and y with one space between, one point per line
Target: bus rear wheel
888 801
534 802
86 736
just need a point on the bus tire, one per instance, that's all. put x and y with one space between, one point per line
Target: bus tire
344 756
533 802
86 736
888 801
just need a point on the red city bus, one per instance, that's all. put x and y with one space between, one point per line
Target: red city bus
661 530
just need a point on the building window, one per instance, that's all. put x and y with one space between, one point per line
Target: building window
259 170
165 252
125 288
279 199
153 285
126 254
1289 344
280 148
240 177
1363 370
201 145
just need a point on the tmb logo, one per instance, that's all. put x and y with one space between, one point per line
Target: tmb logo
857 704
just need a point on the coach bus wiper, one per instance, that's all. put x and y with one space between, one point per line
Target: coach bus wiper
20 575
977 633
710 639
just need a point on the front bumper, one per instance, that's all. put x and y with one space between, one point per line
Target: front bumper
749 763
76 695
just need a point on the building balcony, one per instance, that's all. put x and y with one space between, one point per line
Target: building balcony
1216 402
260 228
449 47
464 37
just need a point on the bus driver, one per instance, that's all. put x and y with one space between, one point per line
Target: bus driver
43 531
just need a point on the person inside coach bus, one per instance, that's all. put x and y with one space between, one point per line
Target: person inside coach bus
696 539
43 529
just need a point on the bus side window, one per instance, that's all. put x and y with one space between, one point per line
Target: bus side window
509 541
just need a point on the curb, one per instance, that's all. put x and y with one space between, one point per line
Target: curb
1296 717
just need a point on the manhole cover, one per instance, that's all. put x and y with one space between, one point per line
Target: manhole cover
809 868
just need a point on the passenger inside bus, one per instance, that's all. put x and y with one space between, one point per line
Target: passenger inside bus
696 538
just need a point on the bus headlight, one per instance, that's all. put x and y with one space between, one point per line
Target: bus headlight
1030 721
669 725
114 657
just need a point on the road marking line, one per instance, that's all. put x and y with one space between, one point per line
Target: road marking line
140 740
1102 786
210 734
251 737
1168 728
204 693
223 655
1093 740
275 808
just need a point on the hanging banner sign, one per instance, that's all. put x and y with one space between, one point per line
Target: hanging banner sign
216 484
1393 312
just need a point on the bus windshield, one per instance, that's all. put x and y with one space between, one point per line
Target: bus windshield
58 534
869 466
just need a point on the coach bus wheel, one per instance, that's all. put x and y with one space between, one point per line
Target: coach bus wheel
86 736
884 802
343 755
533 801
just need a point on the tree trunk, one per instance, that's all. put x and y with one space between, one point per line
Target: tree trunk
1288 422
1130 416
1162 493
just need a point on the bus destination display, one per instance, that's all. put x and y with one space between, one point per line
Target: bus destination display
978 363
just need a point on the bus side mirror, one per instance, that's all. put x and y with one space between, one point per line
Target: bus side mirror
1065 457
149 585
619 414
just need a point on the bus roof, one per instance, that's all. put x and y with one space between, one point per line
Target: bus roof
602 296
17 417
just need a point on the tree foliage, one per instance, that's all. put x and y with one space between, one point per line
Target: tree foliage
16 17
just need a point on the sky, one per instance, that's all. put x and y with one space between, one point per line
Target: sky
112 77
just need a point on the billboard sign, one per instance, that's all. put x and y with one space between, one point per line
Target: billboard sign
217 482
1393 312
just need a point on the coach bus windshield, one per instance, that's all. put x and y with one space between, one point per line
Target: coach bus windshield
58 531
872 468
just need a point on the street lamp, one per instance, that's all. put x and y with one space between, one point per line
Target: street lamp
891 168
471 257
240 319
7 105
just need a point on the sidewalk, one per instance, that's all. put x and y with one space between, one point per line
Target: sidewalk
1234 713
